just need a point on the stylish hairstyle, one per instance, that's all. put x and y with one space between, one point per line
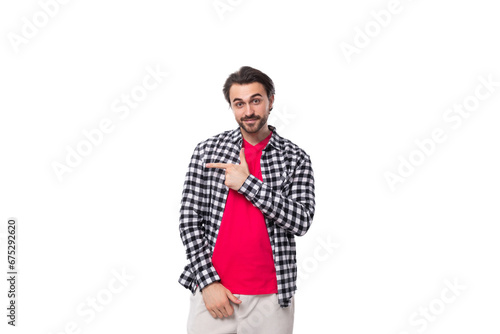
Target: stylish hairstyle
247 75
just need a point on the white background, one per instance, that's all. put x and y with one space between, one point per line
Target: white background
118 209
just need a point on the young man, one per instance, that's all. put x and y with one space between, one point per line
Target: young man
247 193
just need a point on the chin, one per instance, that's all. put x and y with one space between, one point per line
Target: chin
254 129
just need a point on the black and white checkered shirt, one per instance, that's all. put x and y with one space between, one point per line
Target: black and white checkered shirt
285 196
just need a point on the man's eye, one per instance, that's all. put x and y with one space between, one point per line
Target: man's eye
239 104
256 101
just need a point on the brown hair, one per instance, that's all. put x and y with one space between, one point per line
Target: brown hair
247 75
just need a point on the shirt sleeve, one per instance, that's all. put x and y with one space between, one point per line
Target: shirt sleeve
294 212
192 223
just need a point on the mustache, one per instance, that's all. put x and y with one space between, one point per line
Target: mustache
250 118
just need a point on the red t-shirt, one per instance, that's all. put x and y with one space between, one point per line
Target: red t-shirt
242 254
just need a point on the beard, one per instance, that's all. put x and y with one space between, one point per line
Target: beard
253 128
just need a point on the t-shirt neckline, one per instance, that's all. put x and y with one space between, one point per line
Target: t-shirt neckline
260 145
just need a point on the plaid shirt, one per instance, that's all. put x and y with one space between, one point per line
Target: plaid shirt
285 197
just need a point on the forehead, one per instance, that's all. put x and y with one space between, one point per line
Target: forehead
246 91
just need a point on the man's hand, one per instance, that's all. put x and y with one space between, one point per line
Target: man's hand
235 174
216 298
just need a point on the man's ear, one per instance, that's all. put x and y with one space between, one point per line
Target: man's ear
271 102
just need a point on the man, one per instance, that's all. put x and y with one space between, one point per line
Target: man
247 193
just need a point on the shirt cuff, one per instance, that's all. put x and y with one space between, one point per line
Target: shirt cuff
250 187
207 277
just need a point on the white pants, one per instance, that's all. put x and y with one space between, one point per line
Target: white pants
256 314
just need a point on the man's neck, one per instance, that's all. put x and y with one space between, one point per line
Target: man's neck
255 138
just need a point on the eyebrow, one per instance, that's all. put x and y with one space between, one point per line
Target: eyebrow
251 97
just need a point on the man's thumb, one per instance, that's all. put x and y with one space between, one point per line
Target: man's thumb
232 297
243 160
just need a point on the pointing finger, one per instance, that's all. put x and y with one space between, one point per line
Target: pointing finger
217 165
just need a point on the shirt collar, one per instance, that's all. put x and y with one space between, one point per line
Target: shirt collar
276 141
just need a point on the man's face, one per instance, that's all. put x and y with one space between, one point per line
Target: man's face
250 106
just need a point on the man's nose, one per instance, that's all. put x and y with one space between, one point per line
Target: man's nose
249 110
